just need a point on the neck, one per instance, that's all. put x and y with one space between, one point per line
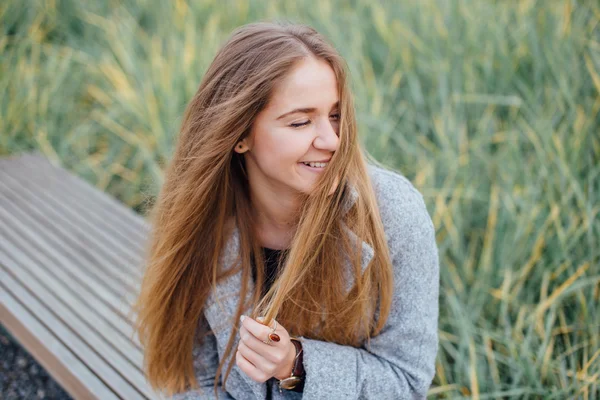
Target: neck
274 217
274 212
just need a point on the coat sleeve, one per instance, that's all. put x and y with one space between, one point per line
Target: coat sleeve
206 361
400 361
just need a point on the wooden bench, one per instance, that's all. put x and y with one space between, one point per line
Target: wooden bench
70 265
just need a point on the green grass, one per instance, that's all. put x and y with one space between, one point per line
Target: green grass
490 107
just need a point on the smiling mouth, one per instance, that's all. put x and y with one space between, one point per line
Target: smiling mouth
315 164
314 170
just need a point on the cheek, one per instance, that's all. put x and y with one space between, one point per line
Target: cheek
284 148
265 150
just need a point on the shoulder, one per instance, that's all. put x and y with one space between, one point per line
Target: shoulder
398 199
402 207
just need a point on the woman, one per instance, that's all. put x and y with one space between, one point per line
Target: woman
268 164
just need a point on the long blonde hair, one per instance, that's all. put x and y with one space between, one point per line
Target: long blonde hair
205 187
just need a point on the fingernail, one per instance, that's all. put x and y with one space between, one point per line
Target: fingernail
242 318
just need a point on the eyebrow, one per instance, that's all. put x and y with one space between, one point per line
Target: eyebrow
305 110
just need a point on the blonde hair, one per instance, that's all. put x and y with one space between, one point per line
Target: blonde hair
205 188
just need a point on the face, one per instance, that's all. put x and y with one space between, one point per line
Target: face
299 126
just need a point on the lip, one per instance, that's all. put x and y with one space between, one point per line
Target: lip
327 160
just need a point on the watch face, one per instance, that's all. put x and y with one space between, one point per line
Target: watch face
289 383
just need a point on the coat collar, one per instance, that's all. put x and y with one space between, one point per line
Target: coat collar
223 300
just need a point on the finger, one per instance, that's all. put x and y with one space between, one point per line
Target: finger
277 331
257 329
262 321
256 359
249 369
253 342
273 353
274 326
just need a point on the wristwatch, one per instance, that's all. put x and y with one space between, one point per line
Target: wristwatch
297 376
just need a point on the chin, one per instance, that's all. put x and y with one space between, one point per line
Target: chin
303 188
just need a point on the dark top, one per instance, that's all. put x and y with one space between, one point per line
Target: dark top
271 256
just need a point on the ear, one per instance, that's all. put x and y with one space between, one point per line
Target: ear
241 147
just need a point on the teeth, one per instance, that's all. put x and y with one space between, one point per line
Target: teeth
316 164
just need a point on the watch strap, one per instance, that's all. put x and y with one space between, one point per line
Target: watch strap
296 378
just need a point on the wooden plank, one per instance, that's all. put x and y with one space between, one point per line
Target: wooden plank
119 216
122 215
17 227
37 203
56 304
47 317
51 182
126 215
74 295
68 370
63 210
73 240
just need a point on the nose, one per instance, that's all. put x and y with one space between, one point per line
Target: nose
327 136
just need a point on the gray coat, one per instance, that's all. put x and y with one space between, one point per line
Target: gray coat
400 361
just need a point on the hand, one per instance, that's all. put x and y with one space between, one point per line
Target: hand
261 361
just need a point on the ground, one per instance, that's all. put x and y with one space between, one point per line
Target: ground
21 377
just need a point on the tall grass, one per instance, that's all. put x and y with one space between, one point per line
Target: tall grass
490 107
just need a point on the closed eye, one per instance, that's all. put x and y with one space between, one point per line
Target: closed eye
300 124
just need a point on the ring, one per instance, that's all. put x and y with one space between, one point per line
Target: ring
272 337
